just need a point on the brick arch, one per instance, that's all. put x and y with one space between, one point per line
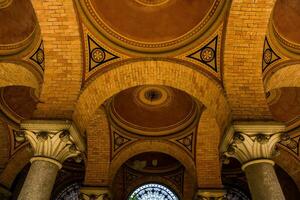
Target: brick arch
208 163
13 74
287 76
153 146
166 73
245 33
63 57
98 150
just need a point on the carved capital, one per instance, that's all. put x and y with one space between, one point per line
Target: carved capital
94 193
248 142
211 194
52 141
5 3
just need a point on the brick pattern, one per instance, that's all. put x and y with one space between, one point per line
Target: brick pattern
208 164
288 76
246 30
63 58
175 75
98 150
4 145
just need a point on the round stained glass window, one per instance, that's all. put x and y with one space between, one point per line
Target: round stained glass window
153 192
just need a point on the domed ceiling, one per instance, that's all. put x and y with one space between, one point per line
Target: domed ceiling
153 110
151 23
286 17
19 24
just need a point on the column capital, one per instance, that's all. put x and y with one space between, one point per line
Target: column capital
5 3
53 141
95 193
211 194
252 141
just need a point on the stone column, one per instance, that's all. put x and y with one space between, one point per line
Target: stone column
51 148
254 145
210 194
95 193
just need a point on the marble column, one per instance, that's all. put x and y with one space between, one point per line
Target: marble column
254 145
95 193
51 149
210 194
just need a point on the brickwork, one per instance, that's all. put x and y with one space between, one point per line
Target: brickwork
98 150
63 57
245 34
208 164
150 146
288 76
152 72
4 145
15 165
14 74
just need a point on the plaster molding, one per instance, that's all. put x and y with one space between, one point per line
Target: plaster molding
210 194
55 126
95 193
56 145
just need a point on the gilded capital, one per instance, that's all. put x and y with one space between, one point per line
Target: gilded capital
94 193
252 141
211 194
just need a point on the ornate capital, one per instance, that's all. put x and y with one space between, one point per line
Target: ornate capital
5 3
94 193
50 141
255 141
211 194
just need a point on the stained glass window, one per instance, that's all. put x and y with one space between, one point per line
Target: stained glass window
153 192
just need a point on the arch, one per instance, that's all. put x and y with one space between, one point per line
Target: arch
207 153
242 58
13 74
98 150
166 73
287 76
290 164
14 166
153 146
64 59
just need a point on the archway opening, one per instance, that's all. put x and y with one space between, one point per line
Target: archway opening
152 191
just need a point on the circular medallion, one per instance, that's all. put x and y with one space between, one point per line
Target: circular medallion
40 56
187 141
207 54
119 141
268 56
153 96
98 55
151 2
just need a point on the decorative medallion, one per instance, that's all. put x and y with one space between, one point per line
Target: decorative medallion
187 142
292 143
119 141
17 140
153 96
98 55
269 56
207 54
39 57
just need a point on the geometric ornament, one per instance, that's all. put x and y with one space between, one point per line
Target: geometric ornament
39 57
269 56
187 141
293 144
119 140
98 55
207 54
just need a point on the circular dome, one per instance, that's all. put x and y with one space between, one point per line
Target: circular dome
286 16
153 110
151 24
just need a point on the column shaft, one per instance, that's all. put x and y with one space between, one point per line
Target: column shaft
39 181
263 182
